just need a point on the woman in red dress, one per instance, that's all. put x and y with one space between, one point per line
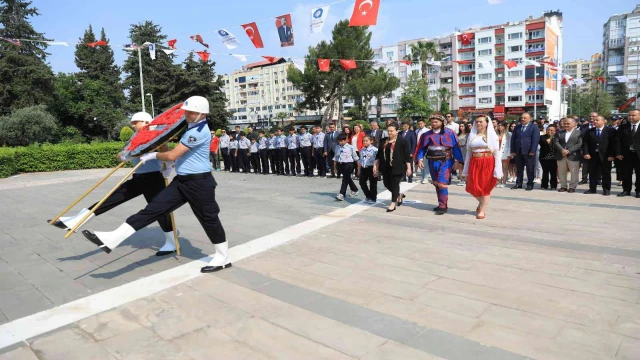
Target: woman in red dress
483 165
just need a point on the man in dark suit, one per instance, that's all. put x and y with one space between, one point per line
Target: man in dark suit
627 150
589 124
598 146
410 137
524 144
285 33
330 142
375 133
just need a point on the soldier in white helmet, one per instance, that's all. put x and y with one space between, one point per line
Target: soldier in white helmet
193 184
148 180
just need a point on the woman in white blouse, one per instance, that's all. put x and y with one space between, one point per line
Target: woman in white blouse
504 140
483 166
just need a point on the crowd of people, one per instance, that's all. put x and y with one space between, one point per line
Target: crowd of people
440 149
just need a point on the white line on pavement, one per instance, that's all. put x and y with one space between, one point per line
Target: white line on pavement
48 320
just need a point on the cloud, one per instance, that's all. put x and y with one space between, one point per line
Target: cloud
495 2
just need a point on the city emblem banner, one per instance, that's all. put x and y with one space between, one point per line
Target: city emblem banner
318 18
228 39
285 30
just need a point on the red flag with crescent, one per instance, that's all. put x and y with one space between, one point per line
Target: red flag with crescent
365 13
252 32
97 43
465 39
172 43
406 62
348 64
204 56
323 65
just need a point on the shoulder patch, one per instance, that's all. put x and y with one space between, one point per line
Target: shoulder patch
192 139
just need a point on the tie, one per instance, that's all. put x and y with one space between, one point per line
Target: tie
597 132
633 130
405 134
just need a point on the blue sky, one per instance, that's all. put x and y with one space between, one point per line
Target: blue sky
66 20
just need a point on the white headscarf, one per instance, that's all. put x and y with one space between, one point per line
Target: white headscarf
492 144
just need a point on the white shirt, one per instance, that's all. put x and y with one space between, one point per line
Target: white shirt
422 131
354 141
453 126
567 135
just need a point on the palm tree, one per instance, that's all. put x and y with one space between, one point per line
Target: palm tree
443 94
596 75
282 116
382 85
424 51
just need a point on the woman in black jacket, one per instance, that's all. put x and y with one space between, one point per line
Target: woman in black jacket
548 159
393 161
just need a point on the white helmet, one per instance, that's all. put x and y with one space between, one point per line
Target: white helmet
196 104
142 116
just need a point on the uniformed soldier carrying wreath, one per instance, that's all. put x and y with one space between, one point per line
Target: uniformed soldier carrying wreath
193 184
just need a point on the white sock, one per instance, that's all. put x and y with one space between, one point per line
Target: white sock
221 257
169 244
114 238
71 221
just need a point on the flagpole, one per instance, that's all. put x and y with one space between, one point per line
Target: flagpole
535 92
141 80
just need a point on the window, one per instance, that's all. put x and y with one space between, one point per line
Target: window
515 48
539 98
485 52
485 100
467 56
515 36
535 34
616 42
402 53
467 79
403 73
535 47
514 73
485 88
376 56
514 98
484 40
468 67
499 88
390 54
485 76
467 91
432 81
517 86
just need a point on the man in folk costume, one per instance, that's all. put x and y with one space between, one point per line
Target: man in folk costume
193 184
148 180
440 145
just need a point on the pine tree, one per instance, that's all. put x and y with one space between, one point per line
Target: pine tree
159 76
199 78
620 94
25 78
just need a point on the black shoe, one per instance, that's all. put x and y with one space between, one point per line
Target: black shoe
516 187
606 192
210 269
637 194
392 210
163 253
589 192
582 182
59 224
94 239
624 193
410 181
403 196
436 208
441 211
529 188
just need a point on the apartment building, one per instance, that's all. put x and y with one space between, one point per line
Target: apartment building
621 48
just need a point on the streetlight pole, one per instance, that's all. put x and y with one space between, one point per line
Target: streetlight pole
141 80
535 93
153 110
635 105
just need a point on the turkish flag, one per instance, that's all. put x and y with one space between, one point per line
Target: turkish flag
198 38
270 59
548 62
601 79
172 43
462 62
97 43
465 39
365 13
406 62
323 65
252 32
348 64
509 63
203 55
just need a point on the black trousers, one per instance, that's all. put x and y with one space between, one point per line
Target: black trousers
243 160
630 164
585 169
331 163
321 163
215 160
298 168
392 183
549 173
371 191
234 160
292 156
282 161
312 161
305 155
346 169
264 160
522 161
199 190
599 168
148 184
273 159
255 162
226 158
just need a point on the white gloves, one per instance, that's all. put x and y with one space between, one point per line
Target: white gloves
167 167
125 158
150 156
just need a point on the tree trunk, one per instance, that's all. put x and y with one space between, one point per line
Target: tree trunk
340 111
379 108
328 111
597 100
424 72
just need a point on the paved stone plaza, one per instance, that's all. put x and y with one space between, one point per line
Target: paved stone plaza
544 276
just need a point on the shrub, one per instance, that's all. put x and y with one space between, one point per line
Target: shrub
28 125
71 134
126 133
7 162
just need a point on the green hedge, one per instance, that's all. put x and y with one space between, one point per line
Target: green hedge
39 158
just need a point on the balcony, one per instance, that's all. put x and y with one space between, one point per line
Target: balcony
534 50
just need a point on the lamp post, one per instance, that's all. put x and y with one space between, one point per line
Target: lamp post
153 110
141 80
